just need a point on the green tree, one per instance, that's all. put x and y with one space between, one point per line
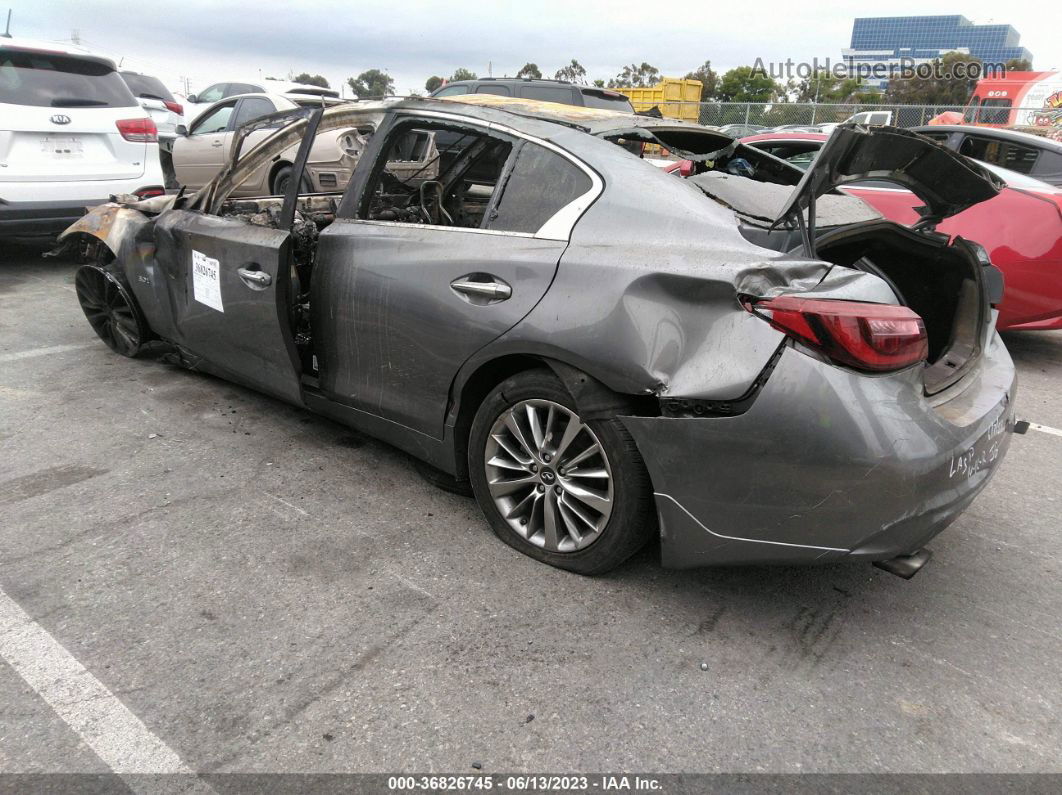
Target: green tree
463 74
373 84
823 86
530 70
432 83
573 73
745 84
709 80
949 82
599 83
310 80
1018 65
635 76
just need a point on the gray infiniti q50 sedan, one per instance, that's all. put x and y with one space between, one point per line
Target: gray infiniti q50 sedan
761 368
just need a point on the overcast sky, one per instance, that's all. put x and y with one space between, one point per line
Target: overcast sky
413 39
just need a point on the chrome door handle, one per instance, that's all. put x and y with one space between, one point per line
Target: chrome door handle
254 279
492 290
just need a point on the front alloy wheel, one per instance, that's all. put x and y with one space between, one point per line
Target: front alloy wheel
567 491
109 310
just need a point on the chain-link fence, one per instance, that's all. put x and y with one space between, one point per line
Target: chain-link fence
777 114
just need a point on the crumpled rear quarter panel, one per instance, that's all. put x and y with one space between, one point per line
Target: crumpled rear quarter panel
827 463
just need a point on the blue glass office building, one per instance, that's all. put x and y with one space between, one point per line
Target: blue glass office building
891 39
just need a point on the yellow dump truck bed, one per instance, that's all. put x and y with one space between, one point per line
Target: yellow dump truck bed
677 98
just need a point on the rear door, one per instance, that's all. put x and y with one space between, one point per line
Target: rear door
408 289
199 156
59 119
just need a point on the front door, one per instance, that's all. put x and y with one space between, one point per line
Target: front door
429 272
233 305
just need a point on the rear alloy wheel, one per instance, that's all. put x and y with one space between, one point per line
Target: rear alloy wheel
110 310
568 492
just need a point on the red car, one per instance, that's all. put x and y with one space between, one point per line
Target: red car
1021 228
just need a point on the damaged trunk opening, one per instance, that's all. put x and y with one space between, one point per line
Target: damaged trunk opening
940 282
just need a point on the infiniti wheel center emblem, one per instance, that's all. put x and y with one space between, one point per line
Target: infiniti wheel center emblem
59 118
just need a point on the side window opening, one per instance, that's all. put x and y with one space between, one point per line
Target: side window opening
450 91
1019 158
561 94
216 122
1007 154
539 184
252 108
995 111
451 186
212 93
240 88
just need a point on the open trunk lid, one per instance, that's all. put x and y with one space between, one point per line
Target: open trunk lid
949 283
947 182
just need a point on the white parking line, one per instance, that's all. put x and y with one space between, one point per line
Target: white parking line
1045 429
103 722
14 357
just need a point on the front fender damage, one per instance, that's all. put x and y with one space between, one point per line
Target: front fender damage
116 226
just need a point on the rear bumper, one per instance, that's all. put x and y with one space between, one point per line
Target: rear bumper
41 210
826 464
41 219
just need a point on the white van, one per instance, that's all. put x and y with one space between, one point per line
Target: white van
71 135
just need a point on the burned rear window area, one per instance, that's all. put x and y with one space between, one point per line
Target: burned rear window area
469 178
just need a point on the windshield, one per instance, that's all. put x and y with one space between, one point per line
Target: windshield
53 80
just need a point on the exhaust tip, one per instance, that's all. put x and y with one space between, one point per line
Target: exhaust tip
906 566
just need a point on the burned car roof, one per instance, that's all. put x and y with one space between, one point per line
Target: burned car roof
593 120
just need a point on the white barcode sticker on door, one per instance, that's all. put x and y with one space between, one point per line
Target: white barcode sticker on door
206 280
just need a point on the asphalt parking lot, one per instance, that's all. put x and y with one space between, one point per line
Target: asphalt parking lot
263 590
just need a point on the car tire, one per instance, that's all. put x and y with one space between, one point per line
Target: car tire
580 501
111 310
282 179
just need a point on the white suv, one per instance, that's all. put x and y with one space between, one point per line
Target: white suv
71 135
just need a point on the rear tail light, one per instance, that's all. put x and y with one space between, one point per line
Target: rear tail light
872 337
175 107
147 193
140 130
